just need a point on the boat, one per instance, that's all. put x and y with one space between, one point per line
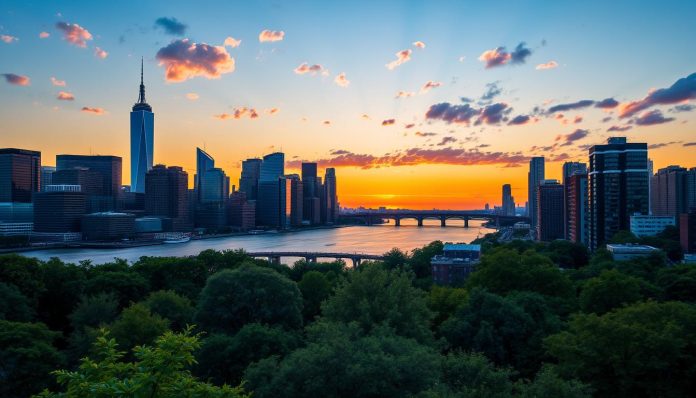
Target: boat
179 240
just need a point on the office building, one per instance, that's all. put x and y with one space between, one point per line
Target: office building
59 209
46 176
20 174
576 208
549 223
271 202
110 169
456 263
623 252
241 212
687 231
508 208
617 188
296 200
569 169
142 139
650 175
691 189
16 212
330 205
646 225
534 177
166 196
107 226
249 179
669 192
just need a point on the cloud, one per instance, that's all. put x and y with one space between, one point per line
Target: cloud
312 69
184 60
420 134
171 26
410 125
430 85
99 53
388 122
339 152
577 119
499 56
56 82
272 111
401 57
662 144
419 44
446 140
493 114
652 118
17 80
404 94
548 65
74 33
689 144
619 128
94 111
682 90
462 58
232 42
607 103
461 114
519 120
683 108
365 116
416 156
492 91
65 96
271 35
192 96
341 80
239 113
8 39
576 135
571 106
44 35
327 122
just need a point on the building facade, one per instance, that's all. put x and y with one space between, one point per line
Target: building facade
455 264
20 174
166 195
669 192
508 208
647 225
534 177
570 169
47 176
330 196
687 231
142 139
249 179
59 209
576 208
549 223
109 167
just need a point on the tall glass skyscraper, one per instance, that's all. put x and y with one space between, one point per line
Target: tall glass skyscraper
271 206
142 139
249 180
534 178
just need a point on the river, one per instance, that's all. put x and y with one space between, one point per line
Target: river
354 239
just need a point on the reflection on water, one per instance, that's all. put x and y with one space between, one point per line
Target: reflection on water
370 240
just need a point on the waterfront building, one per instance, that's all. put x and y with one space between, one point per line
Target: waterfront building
629 251
569 169
46 176
241 212
534 177
142 139
311 206
108 167
59 209
576 208
271 202
647 225
617 187
508 208
669 192
108 226
20 174
455 264
166 196
549 225
296 200
249 179
330 207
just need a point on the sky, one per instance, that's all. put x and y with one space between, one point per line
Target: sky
432 104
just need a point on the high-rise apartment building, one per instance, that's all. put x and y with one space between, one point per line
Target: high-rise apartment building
569 169
271 204
508 201
142 139
331 196
669 192
166 195
534 177
549 223
575 190
249 179
20 174
296 200
691 189
617 187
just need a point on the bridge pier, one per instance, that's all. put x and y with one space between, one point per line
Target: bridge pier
443 221
274 259
397 222
420 221
466 222
356 261
311 259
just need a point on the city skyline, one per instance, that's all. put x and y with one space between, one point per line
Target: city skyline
422 145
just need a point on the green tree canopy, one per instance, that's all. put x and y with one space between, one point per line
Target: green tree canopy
315 288
14 306
171 306
137 326
249 294
609 290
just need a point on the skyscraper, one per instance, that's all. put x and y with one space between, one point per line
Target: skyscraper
669 192
142 139
204 162
508 201
271 203
569 169
211 183
20 174
310 193
331 196
109 167
47 176
691 189
617 187
296 200
249 180
534 177
550 210
166 195
576 208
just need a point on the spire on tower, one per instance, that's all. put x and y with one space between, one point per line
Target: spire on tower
141 96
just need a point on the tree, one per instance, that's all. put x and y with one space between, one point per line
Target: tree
127 286
548 383
184 275
158 371
137 326
14 305
91 313
223 358
24 273
64 284
340 361
473 375
443 301
315 288
27 356
645 349
611 289
566 254
678 283
249 294
623 237
169 305
419 261
374 297
395 259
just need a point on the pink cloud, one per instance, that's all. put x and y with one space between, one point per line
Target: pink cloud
17 80
232 42
239 113
44 35
184 60
404 94
271 35
401 57
8 39
388 122
548 65
56 82
74 33
192 96
495 57
99 53
419 44
312 69
94 111
430 85
681 91
273 111
341 80
65 96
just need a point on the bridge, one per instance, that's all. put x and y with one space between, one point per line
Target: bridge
312 257
371 217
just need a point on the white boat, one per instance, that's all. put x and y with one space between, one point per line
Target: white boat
179 240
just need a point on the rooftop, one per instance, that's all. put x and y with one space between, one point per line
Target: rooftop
461 247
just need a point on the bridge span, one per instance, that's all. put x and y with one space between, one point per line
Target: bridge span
275 256
371 217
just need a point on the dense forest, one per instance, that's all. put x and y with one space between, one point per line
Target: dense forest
534 320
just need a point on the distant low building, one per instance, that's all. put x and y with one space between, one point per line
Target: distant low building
622 252
108 226
644 225
455 264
